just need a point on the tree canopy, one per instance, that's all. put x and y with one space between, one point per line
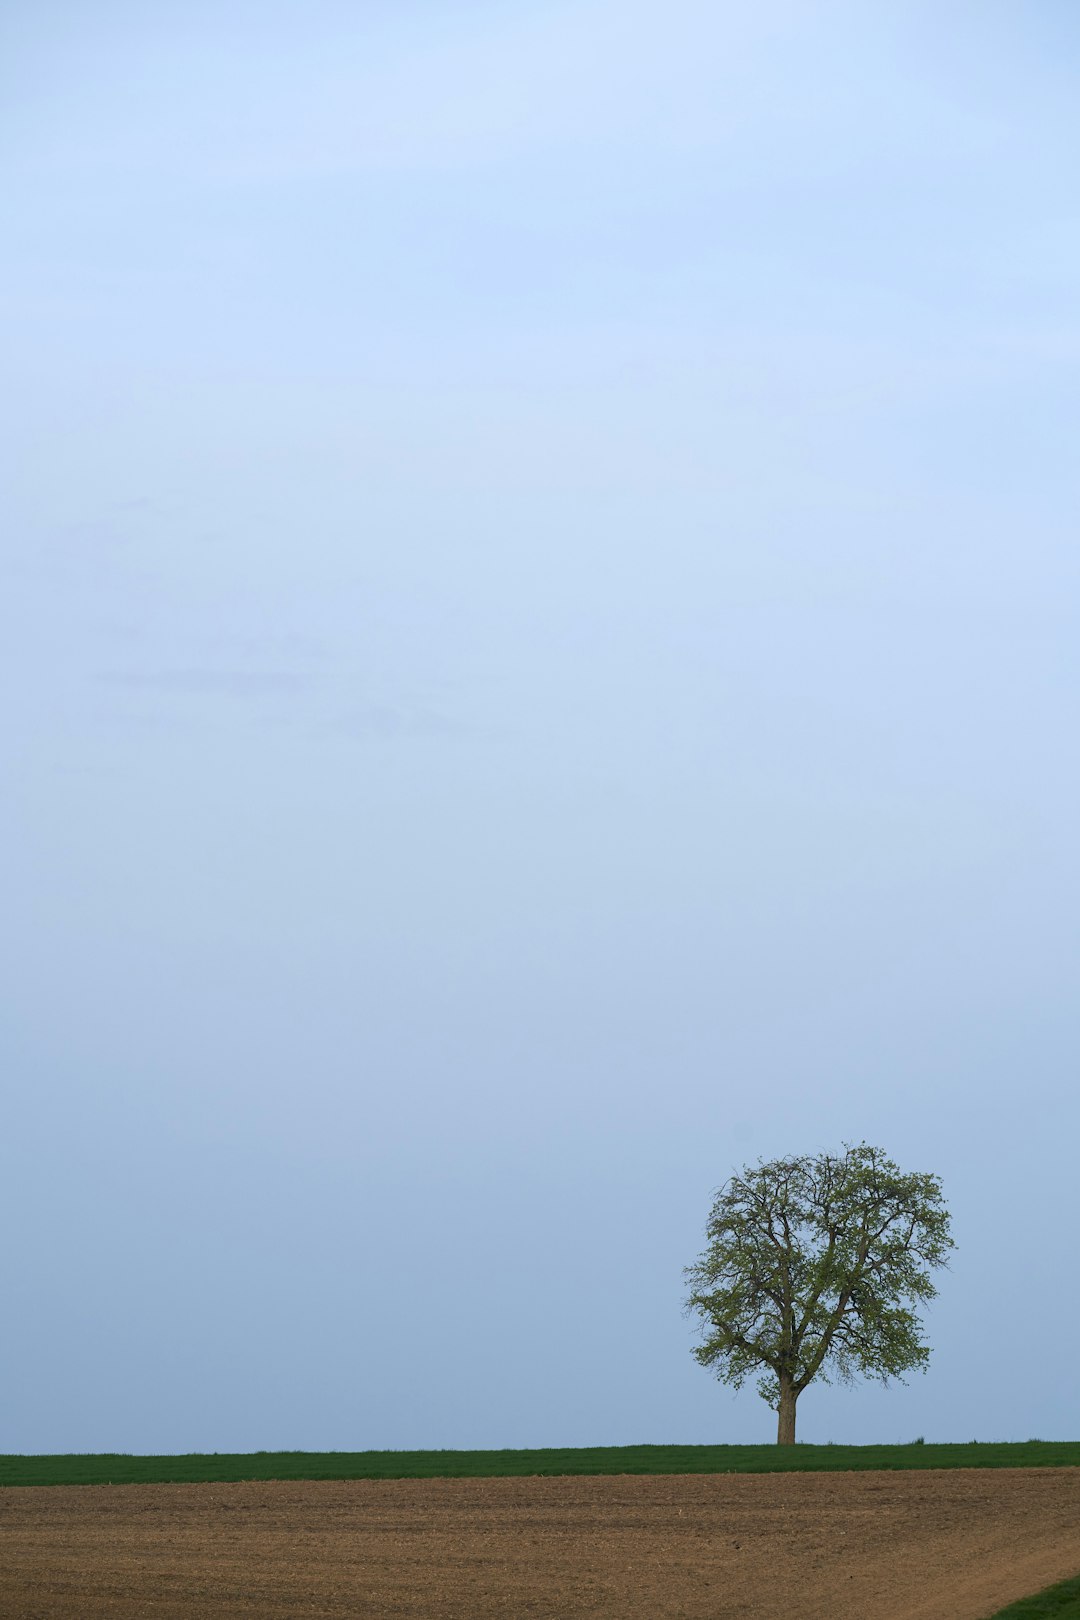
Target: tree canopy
812 1268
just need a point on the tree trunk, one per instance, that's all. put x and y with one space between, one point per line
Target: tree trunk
785 1431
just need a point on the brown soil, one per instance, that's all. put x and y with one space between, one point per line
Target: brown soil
942 1545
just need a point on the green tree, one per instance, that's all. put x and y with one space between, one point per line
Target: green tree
812 1267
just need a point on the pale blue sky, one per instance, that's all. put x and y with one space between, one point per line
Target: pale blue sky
540 598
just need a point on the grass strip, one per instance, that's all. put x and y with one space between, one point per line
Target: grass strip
208 1467
1056 1603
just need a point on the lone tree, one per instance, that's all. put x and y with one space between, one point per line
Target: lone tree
811 1267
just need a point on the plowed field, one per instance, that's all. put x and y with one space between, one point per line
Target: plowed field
936 1545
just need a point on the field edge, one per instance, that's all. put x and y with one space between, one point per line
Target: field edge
118 1468
1060 1602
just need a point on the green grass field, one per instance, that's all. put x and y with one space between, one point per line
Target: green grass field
1056 1603
121 1469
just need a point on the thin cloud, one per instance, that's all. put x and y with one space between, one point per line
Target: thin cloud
387 722
241 683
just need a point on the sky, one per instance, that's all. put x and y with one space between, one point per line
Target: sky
539 602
